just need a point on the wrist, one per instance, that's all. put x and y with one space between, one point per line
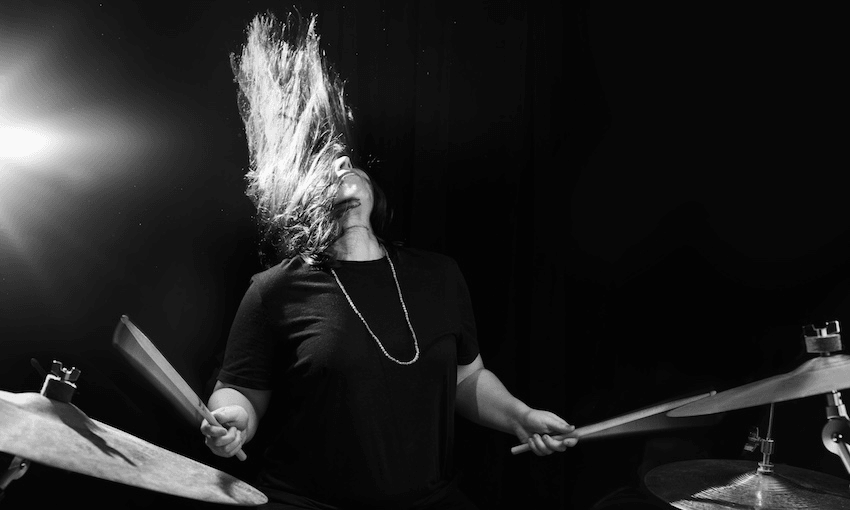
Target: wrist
518 416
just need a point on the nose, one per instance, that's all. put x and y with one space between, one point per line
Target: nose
342 164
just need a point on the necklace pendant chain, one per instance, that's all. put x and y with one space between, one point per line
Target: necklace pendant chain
403 307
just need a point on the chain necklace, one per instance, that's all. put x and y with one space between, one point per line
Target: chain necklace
403 307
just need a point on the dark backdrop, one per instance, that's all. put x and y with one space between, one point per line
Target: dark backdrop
647 202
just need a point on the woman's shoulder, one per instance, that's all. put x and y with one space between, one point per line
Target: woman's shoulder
282 274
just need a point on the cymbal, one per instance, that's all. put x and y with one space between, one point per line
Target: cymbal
60 435
816 376
706 484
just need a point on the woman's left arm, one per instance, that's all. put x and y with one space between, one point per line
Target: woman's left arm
483 399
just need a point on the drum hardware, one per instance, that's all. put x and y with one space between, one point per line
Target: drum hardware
837 429
821 375
826 340
45 428
717 484
708 484
17 468
58 385
712 484
766 444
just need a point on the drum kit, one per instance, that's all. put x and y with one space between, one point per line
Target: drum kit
715 484
46 428
707 484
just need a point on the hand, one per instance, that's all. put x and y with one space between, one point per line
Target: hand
227 439
536 429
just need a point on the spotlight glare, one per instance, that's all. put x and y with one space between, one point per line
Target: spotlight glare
16 143
74 136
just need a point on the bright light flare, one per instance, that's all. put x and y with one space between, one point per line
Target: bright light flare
18 143
77 130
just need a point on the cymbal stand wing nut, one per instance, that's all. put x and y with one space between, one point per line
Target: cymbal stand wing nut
823 340
60 383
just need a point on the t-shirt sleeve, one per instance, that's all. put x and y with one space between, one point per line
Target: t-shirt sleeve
248 356
467 344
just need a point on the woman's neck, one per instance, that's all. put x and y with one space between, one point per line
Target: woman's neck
358 244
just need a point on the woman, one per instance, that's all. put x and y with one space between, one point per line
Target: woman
357 352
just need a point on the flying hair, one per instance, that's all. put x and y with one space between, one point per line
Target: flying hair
297 124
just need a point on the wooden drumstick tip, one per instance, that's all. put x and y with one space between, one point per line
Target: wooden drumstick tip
143 355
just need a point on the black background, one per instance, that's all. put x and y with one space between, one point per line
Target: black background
647 201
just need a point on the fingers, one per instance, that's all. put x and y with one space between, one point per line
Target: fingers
546 445
224 442
545 432
224 439
566 428
554 423
210 430
228 415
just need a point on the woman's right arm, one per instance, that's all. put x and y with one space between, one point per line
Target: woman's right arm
238 410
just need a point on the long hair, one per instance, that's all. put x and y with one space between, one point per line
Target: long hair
297 124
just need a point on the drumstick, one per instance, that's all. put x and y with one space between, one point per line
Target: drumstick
141 352
619 420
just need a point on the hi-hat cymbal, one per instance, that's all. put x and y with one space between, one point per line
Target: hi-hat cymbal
706 484
816 376
60 435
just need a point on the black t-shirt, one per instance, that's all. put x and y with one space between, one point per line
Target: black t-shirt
350 425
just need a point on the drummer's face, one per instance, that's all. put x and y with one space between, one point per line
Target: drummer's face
355 186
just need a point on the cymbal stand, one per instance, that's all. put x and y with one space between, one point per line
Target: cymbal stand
837 429
17 468
765 443
765 466
58 385
825 341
